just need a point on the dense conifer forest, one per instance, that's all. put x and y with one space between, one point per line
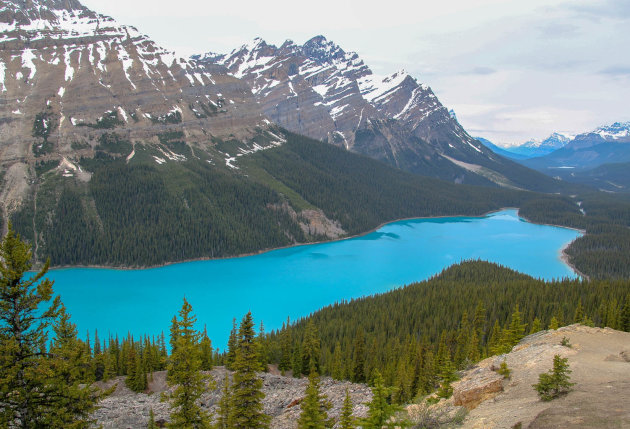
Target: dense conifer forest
406 343
418 335
139 213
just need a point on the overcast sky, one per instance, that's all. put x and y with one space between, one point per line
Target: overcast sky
511 70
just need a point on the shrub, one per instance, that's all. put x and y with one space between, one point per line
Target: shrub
555 382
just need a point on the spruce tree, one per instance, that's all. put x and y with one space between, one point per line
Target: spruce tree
151 424
232 344
536 326
247 395
185 374
624 316
37 389
310 349
314 406
553 324
379 409
358 358
555 382
206 351
225 406
346 421
285 348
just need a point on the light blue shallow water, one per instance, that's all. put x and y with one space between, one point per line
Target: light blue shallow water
297 281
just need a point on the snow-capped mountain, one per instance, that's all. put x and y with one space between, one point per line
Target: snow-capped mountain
320 90
606 144
71 72
536 147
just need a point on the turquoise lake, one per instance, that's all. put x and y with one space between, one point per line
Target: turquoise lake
299 280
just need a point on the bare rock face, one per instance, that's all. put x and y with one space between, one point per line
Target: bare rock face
481 384
600 372
326 93
69 75
126 409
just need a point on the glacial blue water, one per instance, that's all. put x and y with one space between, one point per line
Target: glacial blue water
299 280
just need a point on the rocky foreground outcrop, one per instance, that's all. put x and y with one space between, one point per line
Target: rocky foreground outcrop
599 359
125 409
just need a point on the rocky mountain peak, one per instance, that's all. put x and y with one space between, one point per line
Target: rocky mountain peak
320 49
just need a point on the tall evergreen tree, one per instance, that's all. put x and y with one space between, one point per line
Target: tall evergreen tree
358 358
314 406
185 374
224 412
346 421
33 392
230 357
310 349
206 351
247 395
379 409
285 348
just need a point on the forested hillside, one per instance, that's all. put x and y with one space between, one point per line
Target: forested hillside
416 336
132 211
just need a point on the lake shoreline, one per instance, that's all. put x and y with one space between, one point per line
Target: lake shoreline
563 256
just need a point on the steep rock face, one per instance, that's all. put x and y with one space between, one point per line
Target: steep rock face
600 370
320 90
68 75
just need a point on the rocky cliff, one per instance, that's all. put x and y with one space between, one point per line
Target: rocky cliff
320 90
69 75
600 364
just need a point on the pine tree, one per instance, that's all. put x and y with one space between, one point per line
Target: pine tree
206 351
310 349
346 421
579 315
151 424
247 395
536 326
379 410
624 316
232 343
555 382
262 347
553 323
174 334
358 358
225 406
185 373
494 343
314 406
33 389
337 371
285 348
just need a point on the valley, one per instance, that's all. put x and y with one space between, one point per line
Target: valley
378 254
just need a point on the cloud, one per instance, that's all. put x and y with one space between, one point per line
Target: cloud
616 71
555 29
482 70
610 9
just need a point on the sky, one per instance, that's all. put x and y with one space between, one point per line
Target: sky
511 70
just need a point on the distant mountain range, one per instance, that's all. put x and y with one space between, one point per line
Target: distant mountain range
599 158
607 144
531 148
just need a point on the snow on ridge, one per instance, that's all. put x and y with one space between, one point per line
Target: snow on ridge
374 87
2 74
69 69
27 61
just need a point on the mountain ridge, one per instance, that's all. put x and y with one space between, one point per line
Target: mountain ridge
319 90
